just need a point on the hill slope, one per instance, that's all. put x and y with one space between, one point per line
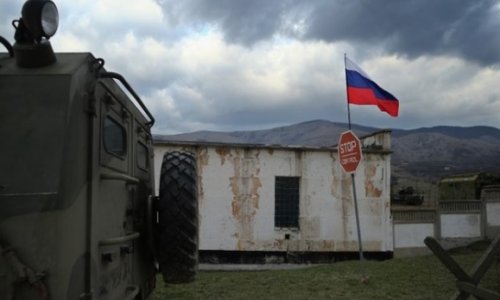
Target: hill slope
424 152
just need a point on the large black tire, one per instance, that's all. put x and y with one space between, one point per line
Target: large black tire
176 231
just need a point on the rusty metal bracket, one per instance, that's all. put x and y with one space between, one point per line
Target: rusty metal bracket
467 284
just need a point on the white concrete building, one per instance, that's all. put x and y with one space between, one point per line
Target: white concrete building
289 199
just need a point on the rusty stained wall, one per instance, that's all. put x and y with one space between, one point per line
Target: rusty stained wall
236 194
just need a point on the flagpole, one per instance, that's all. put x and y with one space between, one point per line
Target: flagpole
347 98
364 275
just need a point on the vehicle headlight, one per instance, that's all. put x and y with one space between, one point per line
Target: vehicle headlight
50 19
41 18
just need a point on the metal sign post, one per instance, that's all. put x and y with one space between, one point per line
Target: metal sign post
350 155
358 227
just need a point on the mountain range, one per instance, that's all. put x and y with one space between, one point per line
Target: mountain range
426 153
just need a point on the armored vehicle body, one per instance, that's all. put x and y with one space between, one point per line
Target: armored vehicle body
78 219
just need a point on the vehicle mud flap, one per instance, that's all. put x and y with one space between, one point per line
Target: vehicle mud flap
176 228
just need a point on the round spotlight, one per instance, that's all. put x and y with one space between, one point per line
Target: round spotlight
50 19
40 17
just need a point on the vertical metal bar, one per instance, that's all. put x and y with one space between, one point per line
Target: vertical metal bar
364 278
91 135
346 94
358 228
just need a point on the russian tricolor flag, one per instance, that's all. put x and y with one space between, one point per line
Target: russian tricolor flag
362 90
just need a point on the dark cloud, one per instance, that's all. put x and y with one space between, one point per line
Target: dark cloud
412 28
467 29
244 22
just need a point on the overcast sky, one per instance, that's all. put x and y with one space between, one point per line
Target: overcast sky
255 64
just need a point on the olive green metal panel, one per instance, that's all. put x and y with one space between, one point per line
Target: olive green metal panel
43 129
122 258
36 111
73 212
32 125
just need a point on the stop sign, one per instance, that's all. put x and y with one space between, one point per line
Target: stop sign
349 149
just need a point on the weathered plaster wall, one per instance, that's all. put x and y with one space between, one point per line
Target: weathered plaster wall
236 196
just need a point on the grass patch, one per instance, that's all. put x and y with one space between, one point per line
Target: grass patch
401 278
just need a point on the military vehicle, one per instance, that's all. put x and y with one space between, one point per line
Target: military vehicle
407 196
78 217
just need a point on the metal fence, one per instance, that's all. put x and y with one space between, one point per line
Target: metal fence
415 215
460 206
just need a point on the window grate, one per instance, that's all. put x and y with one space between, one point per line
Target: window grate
286 195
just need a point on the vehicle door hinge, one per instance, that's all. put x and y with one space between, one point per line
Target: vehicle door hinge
92 109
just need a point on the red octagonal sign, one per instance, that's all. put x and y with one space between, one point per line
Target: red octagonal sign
349 149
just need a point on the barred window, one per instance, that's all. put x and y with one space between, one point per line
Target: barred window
286 205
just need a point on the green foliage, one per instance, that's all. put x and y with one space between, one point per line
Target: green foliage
402 278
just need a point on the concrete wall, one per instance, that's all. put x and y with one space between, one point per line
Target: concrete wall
236 197
412 235
492 219
465 225
460 219
454 223
490 197
411 226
